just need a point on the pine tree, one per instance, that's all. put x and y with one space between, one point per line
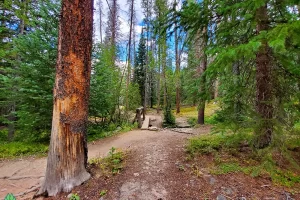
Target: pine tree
264 57
139 67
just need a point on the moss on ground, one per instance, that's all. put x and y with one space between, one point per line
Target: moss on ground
234 153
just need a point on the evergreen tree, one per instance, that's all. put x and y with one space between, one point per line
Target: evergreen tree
253 35
140 66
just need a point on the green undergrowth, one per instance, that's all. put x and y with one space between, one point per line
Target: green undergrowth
110 165
191 113
96 132
234 153
20 148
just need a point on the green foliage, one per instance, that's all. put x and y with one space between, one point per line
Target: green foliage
169 118
10 197
74 197
215 142
96 132
134 96
233 153
17 149
105 86
28 82
112 164
102 193
139 75
232 48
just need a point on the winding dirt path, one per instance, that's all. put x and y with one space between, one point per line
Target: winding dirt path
157 168
23 175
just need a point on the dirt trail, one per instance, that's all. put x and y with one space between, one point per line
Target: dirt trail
19 176
157 168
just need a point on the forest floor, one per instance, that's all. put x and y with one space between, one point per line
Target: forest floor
156 167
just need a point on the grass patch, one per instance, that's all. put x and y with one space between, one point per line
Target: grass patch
110 165
233 153
18 149
192 111
215 142
95 132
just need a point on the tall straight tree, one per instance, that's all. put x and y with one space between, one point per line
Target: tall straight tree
177 69
129 56
100 19
201 69
112 31
264 88
67 157
147 6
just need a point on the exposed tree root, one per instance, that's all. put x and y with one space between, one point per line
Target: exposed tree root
178 131
19 177
28 191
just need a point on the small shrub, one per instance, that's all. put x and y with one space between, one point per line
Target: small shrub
74 197
230 157
112 164
192 121
102 193
10 197
169 118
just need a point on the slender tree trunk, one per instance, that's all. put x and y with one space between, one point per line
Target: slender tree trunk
264 87
164 63
67 157
177 73
237 100
12 118
158 78
100 19
129 53
201 69
216 87
201 106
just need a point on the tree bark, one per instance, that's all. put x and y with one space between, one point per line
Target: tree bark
158 78
201 106
264 93
237 100
177 72
200 54
100 20
128 80
67 157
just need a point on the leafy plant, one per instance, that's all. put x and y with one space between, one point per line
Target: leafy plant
10 197
112 164
74 197
103 193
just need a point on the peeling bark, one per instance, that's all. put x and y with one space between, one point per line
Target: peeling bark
67 157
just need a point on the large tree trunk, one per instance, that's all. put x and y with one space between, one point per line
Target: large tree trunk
67 157
264 93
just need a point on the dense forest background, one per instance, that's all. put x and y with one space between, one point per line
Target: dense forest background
242 55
